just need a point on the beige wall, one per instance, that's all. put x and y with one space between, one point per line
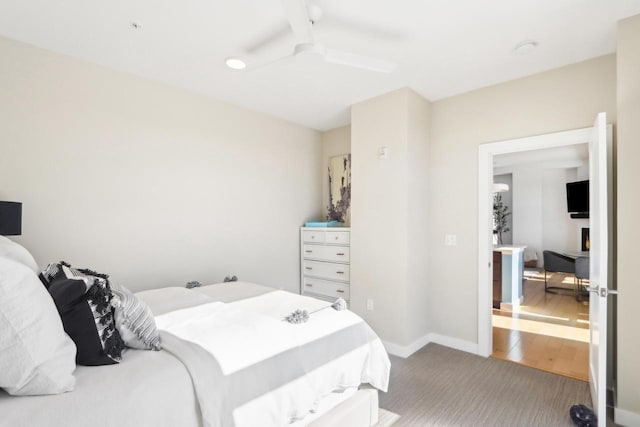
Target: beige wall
628 178
151 184
334 143
378 200
388 214
561 99
418 128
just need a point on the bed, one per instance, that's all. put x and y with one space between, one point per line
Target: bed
326 371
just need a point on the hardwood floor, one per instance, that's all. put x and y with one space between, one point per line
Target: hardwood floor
551 331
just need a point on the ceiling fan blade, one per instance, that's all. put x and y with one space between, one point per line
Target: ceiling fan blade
262 65
269 38
359 61
298 17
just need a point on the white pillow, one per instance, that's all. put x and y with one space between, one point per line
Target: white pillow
36 355
15 251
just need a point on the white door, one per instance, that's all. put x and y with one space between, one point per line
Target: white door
600 204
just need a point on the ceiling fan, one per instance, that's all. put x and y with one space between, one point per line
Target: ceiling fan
301 24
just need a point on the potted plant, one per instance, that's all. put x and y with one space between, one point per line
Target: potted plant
500 214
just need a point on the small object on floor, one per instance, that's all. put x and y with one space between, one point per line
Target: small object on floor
193 284
230 279
583 416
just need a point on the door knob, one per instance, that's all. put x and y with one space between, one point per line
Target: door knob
603 292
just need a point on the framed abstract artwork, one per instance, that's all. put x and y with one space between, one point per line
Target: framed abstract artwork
339 208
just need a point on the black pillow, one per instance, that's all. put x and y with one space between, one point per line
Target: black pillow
83 298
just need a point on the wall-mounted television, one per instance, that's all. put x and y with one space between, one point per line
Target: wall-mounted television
578 197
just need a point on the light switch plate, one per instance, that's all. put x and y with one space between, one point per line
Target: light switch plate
370 304
450 240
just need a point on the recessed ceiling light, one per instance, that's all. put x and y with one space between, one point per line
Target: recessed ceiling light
525 47
235 63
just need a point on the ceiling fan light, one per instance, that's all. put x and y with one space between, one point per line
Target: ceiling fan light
235 63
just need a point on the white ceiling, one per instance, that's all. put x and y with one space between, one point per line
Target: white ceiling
571 156
443 48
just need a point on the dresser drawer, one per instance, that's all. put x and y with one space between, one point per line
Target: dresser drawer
313 236
326 288
326 270
326 253
337 237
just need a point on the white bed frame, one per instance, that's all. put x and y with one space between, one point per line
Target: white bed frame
360 410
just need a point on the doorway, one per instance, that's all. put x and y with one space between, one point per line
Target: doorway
547 326
527 325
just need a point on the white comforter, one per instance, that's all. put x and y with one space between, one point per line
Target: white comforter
268 371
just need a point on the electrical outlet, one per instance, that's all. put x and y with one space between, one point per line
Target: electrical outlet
450 240
370 304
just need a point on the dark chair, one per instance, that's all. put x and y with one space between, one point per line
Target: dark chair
555 262
582 273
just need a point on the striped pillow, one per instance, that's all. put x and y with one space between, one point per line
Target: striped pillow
134 320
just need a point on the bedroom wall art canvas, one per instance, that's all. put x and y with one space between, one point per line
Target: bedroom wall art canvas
339 208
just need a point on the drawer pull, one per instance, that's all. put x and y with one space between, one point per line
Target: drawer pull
336 237
340 254
340 290
309 268
309 285
309 252
313 237
340 272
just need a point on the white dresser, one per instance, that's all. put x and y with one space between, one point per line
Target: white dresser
324 262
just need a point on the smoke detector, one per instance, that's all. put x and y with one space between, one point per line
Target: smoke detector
525 47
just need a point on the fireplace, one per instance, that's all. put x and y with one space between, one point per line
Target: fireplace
585 240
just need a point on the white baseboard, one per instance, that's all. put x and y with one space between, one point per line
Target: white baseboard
626 418
405 351
458 344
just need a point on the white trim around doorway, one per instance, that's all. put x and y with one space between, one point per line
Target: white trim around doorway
485 181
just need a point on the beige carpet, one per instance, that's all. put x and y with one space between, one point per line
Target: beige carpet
438 386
